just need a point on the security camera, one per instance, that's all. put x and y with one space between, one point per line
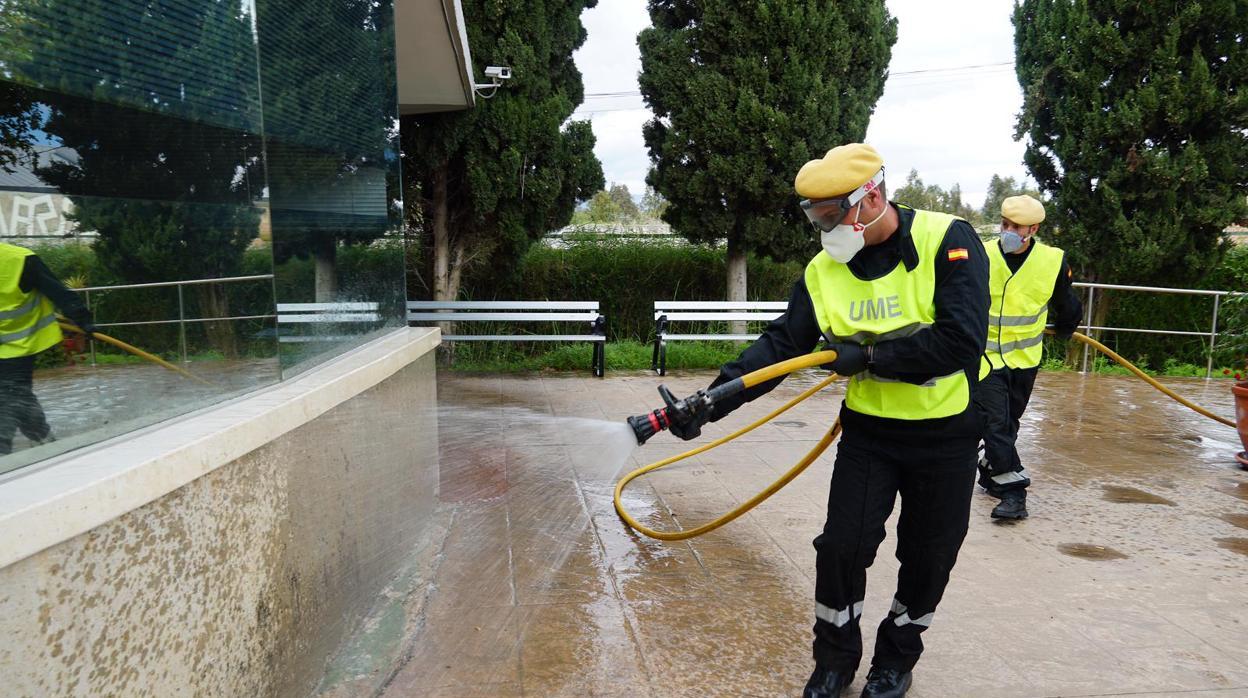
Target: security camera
496 73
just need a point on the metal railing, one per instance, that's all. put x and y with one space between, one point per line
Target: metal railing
1212 334
182 319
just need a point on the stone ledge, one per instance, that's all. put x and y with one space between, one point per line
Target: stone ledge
70 495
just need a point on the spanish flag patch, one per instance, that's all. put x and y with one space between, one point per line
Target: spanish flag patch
958 253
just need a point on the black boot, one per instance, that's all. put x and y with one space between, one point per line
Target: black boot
824 683
886 683
1013 505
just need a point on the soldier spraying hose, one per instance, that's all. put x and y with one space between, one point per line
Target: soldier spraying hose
901 296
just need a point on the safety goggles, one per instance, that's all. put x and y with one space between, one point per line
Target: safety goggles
826 214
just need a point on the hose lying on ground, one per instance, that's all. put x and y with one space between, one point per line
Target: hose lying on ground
70 327
1149 379
784 368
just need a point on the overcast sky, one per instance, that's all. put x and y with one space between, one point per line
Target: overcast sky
953 126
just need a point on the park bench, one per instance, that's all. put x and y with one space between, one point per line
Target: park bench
325 322
584 313
708 314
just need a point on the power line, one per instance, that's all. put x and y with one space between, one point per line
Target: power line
959 67
900 73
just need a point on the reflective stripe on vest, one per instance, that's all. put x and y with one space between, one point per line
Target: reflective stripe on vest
22 310
1016 345
29 331
27 320
896 305
1020 305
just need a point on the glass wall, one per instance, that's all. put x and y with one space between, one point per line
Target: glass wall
157 158
331 125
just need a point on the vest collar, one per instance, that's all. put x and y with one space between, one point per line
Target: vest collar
905 220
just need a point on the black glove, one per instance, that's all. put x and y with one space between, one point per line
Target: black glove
688 426
85 321
850 359
1064 332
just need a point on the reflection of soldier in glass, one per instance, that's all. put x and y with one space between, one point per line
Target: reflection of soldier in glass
28 292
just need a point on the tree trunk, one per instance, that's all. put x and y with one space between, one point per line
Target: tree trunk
736 277
213 302
325 257
446 275
439 222
457 268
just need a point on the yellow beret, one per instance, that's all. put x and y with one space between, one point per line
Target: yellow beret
1022 210
842 170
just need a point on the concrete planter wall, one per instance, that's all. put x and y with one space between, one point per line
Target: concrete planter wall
246 579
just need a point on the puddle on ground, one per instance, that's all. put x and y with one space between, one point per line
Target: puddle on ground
1239 489
1087 551
1237 520
1238 545
1131 495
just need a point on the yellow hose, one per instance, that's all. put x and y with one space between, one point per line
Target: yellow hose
785 367
132 349
750 379
1149 379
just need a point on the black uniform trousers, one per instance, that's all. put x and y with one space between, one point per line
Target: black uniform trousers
19 409
1001 398
935 480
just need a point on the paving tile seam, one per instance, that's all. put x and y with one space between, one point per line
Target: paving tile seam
1170 626
618 593
422 617
1203 641
696 555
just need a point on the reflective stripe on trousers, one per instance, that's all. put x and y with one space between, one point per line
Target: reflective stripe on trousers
903 617
841 617
1011 477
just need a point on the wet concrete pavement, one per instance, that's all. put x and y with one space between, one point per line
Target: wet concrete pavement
1129 577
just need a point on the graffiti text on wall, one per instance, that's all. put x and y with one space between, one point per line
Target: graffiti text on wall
35 215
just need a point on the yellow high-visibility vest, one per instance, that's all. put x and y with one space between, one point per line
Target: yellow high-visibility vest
1020 305
896 305
27 320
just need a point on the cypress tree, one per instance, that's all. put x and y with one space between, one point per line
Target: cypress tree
491 180
1135 115
743 94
